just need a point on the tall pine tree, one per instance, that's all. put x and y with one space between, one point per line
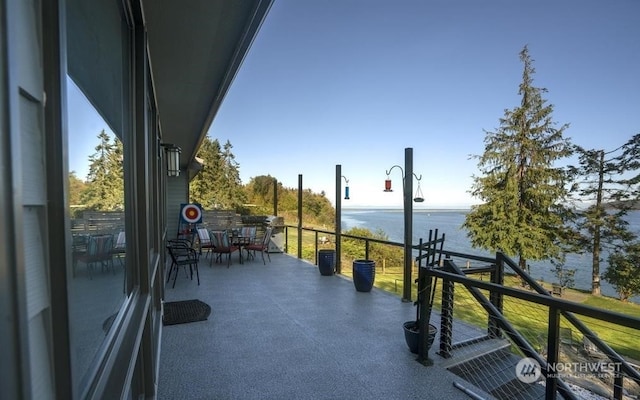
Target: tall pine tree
218 185
233 195
602 225
105 180
522 191
202 188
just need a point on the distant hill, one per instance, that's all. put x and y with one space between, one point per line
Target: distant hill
628 204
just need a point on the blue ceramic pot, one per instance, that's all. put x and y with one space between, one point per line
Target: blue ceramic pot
364 274
326 261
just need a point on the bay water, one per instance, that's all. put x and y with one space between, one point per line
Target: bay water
449 222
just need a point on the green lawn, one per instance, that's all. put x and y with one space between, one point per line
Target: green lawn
611 304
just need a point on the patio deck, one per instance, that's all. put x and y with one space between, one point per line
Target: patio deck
283 331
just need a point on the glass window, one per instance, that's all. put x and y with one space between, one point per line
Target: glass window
99 134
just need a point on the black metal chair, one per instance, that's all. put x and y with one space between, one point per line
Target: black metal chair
182 255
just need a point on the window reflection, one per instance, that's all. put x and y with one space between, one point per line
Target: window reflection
96 194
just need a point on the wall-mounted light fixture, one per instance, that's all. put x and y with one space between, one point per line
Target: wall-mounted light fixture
173 158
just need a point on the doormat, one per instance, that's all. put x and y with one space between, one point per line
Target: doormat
182 312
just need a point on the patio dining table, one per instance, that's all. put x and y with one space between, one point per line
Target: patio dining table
239 242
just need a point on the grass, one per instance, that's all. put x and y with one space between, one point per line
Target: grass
611 304
530 319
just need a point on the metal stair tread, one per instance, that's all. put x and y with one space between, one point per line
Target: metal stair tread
474 351
489 371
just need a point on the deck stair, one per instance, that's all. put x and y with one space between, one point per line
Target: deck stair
491 366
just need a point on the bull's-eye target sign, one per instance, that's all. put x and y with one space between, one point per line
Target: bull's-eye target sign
191 213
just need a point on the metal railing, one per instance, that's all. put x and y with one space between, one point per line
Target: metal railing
499 324
317 232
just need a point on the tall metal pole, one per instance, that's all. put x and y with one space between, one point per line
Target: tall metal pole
407 185
299 215
338 225
275 197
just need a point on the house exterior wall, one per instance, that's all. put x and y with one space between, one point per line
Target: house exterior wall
63 334
43 330
177 193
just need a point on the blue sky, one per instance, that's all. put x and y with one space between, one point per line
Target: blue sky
354 82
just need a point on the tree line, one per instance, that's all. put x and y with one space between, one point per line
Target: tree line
216 186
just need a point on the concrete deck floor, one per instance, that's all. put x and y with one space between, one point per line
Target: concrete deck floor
283 331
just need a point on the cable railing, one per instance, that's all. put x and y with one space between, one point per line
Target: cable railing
539 330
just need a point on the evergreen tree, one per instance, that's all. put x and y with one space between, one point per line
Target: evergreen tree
624 271
233 196
203 188
602 225
630 160
105 180
522 213
218 185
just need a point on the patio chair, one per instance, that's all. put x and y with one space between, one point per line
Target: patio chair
249 233
99 251
120 247
206 244
262 246
182 255
222 245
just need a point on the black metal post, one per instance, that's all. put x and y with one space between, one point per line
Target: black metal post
338 225
407 187
446 319
497 277
275 197
299 215
553 350
618 383
425 286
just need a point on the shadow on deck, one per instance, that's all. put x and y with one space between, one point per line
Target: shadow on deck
283 331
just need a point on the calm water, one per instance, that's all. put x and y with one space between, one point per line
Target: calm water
449 222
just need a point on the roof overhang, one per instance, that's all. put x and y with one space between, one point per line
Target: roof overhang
195 51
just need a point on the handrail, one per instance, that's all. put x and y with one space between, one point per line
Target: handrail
602 346
509 329
549 301
564 306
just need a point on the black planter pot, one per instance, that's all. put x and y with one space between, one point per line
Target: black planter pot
411 335
326 261
364 274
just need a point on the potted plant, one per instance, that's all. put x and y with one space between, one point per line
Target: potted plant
412 328
412 332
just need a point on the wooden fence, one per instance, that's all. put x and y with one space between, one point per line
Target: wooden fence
97 222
